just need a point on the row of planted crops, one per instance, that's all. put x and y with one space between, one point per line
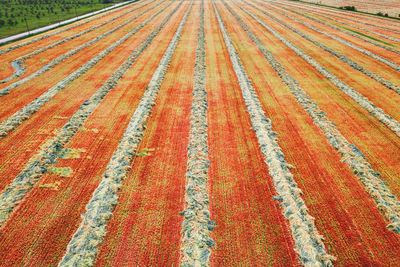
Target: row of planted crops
203 132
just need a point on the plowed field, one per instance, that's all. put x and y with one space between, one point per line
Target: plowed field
203 133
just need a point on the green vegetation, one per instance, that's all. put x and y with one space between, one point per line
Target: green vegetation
383 15
350 8
365 35
18 16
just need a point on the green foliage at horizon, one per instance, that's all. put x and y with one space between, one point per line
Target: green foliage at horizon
18 16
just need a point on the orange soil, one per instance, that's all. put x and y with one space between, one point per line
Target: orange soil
361 43
35 63
31 47
346 216
393 24
250 228
390 6
5 59
352 23
71 98
52 216
379 144
395 44
27 92
145 229
374 91
382 26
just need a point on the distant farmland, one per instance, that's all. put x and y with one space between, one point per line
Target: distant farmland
203 133
390 7
18 16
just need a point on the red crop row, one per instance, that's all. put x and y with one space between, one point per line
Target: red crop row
251 227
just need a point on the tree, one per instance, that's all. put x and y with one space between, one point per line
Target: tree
351 8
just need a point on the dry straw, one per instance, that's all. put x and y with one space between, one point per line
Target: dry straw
350 154
366 39
52 149
358 27
41 37
19 63
346 60
82 248
375 111
196 241
25 112
360 49
308 242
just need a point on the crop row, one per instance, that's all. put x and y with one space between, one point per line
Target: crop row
360 99
309 244
340 56
347 43
303 228
82 248
19 63
358 36
350 154
359 28
196 241
62 30
48 153
369 18
66 55
23 114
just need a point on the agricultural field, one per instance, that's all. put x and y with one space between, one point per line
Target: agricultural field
390 7
18 16
203 133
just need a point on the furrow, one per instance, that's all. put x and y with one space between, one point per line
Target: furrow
359 28
394 31
58 60
11 48
82 248
340 15
375 111
47 155
24 113
19 63
343 58
350 154
370 18
196 226
377 57
308 242
368 40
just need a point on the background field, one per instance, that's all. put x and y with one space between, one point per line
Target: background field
391 7
18 16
